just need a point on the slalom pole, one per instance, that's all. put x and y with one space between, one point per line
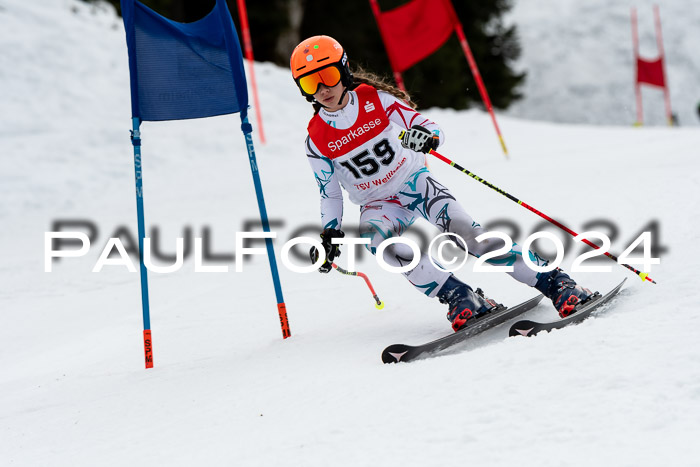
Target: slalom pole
660 46
644 276
479 82
637 86
379 305
248 46
457 24
247 130
138 169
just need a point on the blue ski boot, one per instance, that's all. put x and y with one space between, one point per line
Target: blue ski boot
465 305
562 290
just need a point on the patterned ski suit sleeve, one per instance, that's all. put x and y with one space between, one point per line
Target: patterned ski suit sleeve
405 117
328 186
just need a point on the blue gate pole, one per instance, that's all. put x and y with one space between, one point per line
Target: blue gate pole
281 307
138 171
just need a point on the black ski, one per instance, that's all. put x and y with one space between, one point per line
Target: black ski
404 353
530 328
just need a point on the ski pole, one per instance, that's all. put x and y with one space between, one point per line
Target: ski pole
644 276
379 305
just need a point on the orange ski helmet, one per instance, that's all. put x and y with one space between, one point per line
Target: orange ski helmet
319 60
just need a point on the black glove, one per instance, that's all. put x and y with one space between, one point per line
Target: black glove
420 139
332 251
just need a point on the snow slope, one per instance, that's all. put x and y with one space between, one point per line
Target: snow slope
620 389
579 58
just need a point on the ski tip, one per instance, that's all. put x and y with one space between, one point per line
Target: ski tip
394 353
522 328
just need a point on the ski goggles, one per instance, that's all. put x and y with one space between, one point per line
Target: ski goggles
329 76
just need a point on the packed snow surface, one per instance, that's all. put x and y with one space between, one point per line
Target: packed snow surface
579 58
622 388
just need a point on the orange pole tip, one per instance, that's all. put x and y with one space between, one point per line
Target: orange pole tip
284 322
148 348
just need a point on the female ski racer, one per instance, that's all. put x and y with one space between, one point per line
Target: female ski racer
354 142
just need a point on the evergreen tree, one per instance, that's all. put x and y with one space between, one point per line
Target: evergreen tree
444 78
441 80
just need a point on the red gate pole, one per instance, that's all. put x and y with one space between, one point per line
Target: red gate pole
475 71
248 45
660 45
479 82
637 86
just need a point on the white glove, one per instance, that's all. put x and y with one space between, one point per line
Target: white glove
420 139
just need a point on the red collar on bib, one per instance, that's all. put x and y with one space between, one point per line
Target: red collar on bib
371 121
